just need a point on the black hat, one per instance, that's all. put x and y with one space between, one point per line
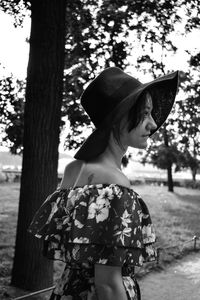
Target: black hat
111 94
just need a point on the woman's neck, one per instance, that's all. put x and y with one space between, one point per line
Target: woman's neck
113 154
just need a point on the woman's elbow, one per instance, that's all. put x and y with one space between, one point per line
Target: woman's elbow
104 291
109 283
110 289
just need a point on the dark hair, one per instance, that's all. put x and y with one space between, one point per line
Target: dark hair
135 116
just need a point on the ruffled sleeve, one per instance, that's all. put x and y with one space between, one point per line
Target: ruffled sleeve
106 224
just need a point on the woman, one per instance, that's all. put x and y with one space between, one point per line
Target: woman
95 222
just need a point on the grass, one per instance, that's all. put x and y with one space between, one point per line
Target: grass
176 219
175 216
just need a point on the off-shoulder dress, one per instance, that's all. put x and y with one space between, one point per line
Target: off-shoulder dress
105 224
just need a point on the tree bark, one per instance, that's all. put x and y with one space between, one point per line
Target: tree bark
42 119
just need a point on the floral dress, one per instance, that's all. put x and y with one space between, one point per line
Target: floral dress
106 224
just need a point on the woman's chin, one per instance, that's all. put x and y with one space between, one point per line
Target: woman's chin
140 146
143 146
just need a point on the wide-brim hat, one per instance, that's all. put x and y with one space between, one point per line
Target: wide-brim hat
111 95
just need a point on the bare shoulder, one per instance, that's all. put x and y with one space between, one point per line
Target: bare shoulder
99 173
92 173
73 166
70 173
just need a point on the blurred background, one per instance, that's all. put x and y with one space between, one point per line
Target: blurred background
147 46
50 51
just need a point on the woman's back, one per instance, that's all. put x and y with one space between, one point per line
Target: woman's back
79 173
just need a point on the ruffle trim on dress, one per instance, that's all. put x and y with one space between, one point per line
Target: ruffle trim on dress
106 224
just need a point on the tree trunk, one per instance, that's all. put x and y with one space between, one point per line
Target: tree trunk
169 163
42 116
194 173
170 179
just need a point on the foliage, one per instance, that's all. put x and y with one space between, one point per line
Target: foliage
161 153
12 112
183 131
165 156
16 8
189 117
105 33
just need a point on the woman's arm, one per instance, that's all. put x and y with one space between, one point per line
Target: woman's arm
109 283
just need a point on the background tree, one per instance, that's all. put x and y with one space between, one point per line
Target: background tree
189 117
100 34
162 151
110 31
165 151
114 30
112 35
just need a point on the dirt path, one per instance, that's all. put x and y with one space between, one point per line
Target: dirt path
180 281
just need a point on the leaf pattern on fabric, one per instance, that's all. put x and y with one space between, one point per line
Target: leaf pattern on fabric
104 223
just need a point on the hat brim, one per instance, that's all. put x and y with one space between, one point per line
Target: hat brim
163 91
94 145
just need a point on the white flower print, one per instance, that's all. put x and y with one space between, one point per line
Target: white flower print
75 251
117 191
126 218
38 235
82 203
81 240
72 197
140 214
150 251
141 260
139 244
148 234
106 193
57 237
99 209
66 220
145 216
102 261
117 213
129 284
146 230
78 224
54 208
125 232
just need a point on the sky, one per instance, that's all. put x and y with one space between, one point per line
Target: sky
14 49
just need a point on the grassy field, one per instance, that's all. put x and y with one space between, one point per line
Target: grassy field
176 217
